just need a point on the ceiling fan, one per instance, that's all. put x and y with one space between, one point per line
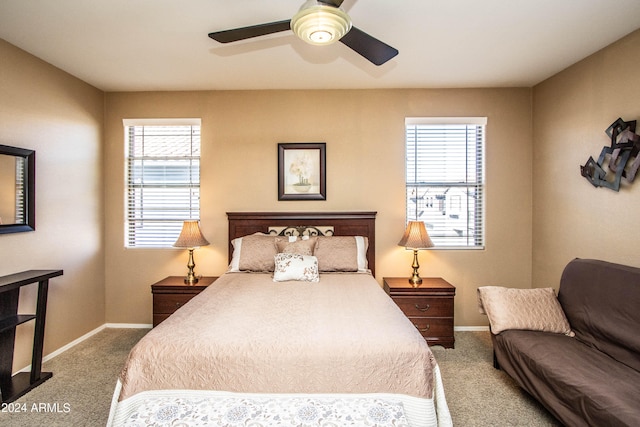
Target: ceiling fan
318 22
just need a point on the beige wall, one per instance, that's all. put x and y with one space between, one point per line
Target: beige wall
570 114
540 212
47 110
364 132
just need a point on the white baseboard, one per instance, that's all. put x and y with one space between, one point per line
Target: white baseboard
471 328
149 326
129 325
66 347
88 335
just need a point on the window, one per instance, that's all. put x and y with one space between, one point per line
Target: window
445 178
163 180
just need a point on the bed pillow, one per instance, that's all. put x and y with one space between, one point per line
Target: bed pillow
341 253
528 309
298 267
293 245
253 253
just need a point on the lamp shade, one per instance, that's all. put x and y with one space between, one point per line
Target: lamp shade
190 236
416 236
319 24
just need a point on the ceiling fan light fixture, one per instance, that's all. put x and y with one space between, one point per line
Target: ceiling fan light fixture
319 24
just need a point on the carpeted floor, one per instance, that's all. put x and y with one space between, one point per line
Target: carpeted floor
84 377
480 395
80 391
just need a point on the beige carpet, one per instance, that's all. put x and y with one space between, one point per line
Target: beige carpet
80 391
480 395
79 394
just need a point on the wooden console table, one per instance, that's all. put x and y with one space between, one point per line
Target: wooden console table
12 387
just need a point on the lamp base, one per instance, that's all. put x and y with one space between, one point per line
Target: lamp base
191 280
415 279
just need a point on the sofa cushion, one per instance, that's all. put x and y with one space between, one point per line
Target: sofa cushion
602 303
571 378
529 309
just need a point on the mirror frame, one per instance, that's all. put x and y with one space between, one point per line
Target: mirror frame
30 190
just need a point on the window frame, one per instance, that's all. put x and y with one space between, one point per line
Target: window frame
473 199
168 225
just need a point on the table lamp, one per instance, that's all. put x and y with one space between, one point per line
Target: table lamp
416 237
190 237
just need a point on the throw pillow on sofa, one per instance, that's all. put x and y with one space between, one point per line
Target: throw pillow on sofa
527 309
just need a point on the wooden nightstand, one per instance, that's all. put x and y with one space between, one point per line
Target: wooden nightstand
429 306
171 293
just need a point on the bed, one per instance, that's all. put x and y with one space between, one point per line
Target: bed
286 339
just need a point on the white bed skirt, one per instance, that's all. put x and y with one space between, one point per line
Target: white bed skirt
206 407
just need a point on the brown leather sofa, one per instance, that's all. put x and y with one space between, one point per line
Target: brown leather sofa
592 379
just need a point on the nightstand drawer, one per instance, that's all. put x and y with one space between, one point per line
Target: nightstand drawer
171 293
433 327
169 303
428 306
158 318
425 306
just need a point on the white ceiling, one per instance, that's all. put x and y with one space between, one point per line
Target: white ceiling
139 45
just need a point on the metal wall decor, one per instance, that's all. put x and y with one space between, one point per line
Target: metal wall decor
622 154
302 230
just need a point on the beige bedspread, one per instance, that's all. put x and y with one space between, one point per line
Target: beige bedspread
246 333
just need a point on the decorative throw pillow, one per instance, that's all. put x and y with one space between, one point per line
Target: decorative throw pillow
253 253
302 246
341 253
528 309
295 267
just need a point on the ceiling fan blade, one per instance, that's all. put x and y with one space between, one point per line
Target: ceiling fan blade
236 34
371 48
335 3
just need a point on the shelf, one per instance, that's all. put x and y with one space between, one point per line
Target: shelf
13 321
20 384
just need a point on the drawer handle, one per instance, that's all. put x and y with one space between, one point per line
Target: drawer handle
425 329
178 304
423 309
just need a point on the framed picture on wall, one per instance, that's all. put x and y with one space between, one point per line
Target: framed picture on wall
302 171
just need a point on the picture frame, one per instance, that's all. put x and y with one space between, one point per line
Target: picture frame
302 171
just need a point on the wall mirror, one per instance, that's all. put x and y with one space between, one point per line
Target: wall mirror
17 189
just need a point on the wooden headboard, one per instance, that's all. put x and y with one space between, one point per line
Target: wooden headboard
343 223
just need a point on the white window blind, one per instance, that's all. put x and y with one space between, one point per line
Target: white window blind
163 180
445 178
